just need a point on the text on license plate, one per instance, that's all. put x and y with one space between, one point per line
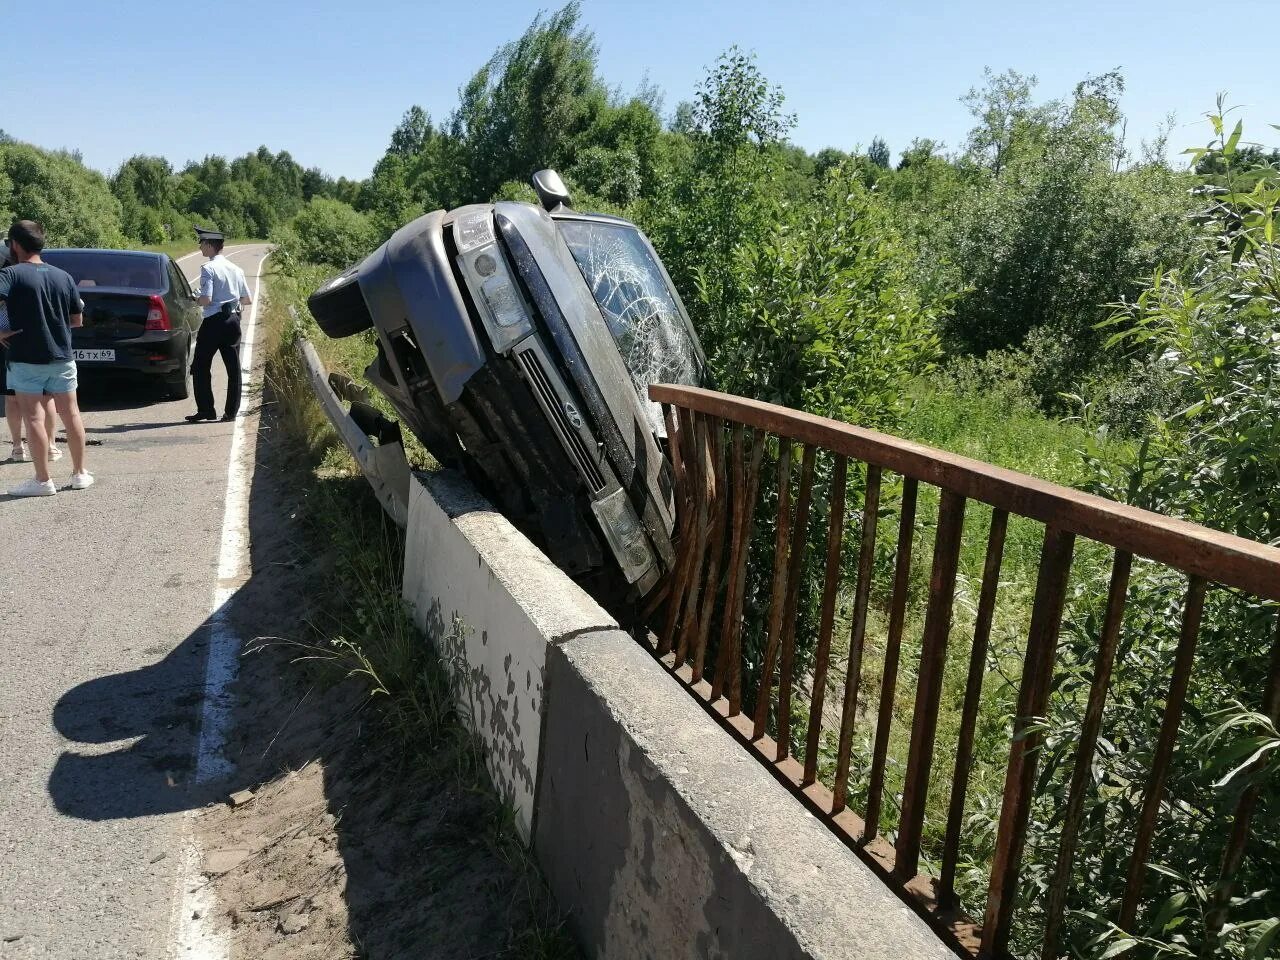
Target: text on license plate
94 355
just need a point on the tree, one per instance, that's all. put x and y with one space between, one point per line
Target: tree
526 107
828 158
878 153
1212 329
75 204
1001 107
1057 233
147 181
411 135
726 194
612 175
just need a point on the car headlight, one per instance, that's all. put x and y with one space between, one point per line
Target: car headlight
626 536
493 288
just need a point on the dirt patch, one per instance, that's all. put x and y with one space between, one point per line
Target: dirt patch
336 838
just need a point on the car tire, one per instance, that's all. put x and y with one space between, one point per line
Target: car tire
339 307
178 383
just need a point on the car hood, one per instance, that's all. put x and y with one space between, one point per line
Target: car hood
590 355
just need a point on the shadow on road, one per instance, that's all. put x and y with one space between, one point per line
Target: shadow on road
113 390
157 709
399 859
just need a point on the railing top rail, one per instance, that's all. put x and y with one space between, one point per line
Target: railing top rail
1219 557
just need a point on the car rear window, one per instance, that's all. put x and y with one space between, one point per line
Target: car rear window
97 268
637 305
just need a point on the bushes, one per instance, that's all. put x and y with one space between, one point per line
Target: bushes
74 203
1211 333
1056 233
828 320
328 232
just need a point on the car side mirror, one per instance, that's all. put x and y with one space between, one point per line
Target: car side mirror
550 189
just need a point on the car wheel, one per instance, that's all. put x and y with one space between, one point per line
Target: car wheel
339 306
178 383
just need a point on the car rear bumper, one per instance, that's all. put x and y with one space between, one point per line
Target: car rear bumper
158 354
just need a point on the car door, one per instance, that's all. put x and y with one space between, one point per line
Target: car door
184 300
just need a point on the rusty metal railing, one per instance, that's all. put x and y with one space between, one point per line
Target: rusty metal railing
718 445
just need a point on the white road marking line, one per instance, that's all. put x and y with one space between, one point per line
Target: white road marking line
226 251
196 936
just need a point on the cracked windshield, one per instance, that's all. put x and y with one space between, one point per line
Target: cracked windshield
637 306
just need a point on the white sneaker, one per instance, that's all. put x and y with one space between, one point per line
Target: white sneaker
19 454
81 481
54 452
34 488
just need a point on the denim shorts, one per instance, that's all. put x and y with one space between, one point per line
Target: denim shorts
43 378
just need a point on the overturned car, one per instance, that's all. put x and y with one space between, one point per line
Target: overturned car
518 342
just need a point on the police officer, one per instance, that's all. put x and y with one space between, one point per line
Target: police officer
223 291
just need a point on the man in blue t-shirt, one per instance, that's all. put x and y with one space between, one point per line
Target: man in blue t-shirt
43 305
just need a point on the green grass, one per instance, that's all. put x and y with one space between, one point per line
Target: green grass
1004 431
365 632
994 430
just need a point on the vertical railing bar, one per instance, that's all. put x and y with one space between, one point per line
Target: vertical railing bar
933 658
702 493
1103 662
892 650
753 491
972 699
826 622
1033 694
778 600
675 439
1163 757
711 585
740 506
799 540
1241 821
857 638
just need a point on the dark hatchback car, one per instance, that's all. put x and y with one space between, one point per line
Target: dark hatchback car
140 314
519 342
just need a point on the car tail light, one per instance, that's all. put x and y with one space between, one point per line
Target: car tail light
158 315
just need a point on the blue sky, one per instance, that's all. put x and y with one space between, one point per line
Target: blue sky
328 80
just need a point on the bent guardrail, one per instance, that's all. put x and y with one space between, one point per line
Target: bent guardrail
384 465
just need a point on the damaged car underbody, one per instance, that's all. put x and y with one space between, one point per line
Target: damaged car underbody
518 342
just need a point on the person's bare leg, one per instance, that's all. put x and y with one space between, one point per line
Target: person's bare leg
33 415
69 414
50 426
13 414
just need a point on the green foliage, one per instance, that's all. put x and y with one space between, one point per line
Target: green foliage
724 197
146 189
1049 231
525 108
828 321
327 232
611 174
1210 328
878 153
74 203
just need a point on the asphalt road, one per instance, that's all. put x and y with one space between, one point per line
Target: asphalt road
104 598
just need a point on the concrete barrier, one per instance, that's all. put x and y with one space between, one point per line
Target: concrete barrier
493 603
658 834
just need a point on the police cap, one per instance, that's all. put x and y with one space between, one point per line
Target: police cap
203 234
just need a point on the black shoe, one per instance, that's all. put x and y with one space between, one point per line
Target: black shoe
228 418
197 417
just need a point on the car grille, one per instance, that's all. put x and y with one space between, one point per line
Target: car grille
552 404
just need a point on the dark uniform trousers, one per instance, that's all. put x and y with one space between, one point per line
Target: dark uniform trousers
219 333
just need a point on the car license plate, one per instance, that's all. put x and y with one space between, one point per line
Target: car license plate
95 355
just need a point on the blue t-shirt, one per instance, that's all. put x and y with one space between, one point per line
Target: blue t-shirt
41 300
